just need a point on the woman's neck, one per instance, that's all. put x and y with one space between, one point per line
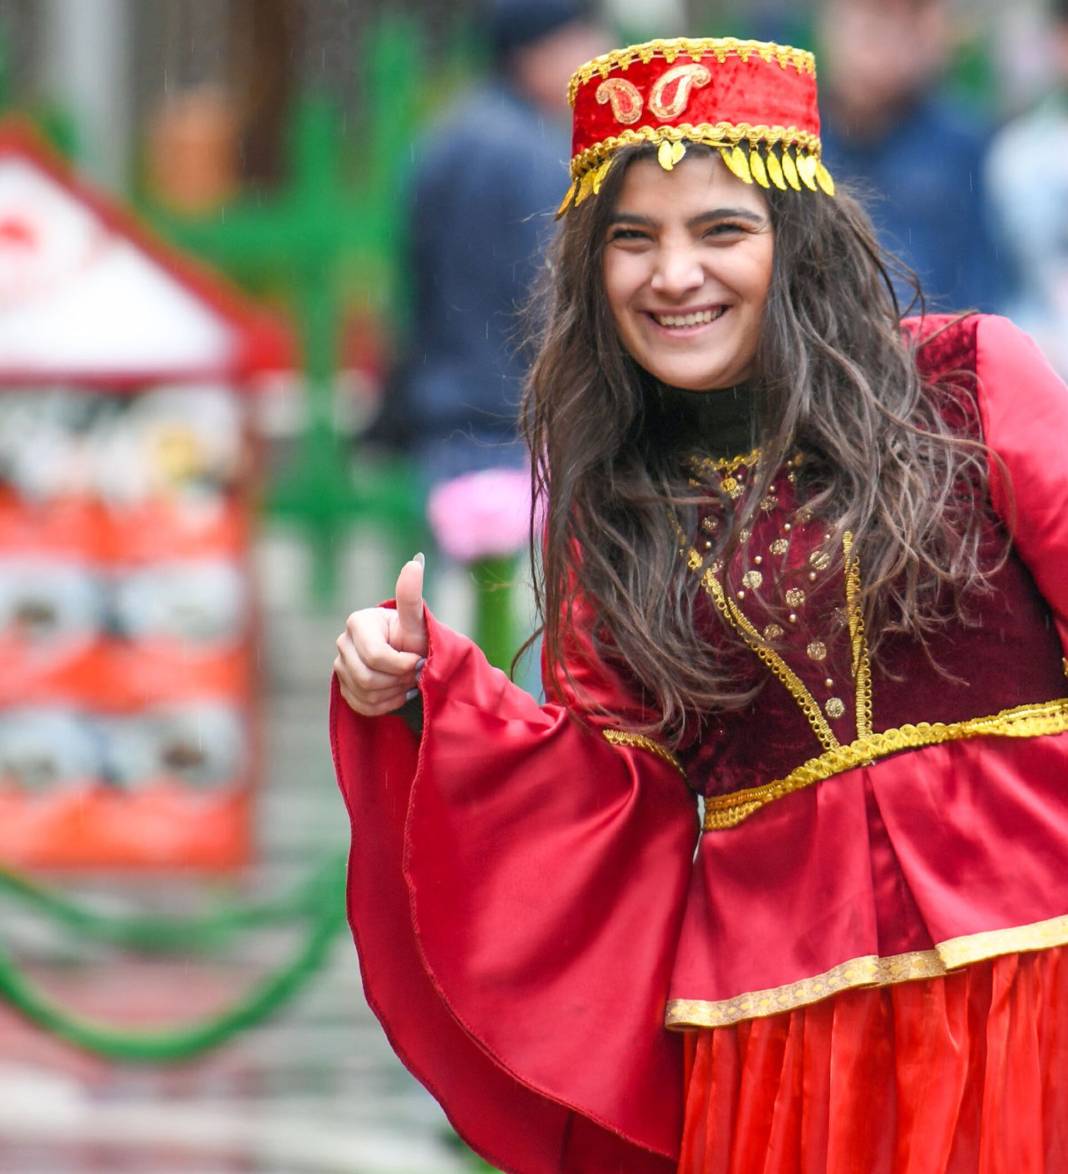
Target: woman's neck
725 421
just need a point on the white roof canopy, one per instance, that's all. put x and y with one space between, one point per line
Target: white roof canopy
79 298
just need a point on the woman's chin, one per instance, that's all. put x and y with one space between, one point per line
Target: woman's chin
698 376
698 382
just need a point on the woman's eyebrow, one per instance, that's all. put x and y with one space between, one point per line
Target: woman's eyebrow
632 218
700 218
725 213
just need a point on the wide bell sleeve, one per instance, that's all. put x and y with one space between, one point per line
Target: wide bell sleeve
516 887
1024 410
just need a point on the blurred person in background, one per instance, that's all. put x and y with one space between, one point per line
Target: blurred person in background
1033 217
487 180
889 127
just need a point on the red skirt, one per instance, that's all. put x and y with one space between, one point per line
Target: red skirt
966 1074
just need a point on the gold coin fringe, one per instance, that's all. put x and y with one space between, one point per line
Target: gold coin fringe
784 157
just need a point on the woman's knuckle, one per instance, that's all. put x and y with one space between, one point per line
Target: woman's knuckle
379 661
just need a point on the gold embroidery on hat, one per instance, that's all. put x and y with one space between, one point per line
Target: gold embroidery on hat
625 97
670 50
685 78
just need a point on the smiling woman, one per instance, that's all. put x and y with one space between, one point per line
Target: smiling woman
794 554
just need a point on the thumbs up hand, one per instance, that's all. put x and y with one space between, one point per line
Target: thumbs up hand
381 650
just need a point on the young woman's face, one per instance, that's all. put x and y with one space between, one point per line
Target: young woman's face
687 266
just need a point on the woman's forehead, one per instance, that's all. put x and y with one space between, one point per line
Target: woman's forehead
699 182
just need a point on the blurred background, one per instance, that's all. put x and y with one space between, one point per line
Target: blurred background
261 271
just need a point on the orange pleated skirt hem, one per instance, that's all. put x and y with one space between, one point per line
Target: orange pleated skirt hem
966 1074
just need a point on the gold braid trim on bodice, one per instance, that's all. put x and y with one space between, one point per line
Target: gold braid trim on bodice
727 811
1026 721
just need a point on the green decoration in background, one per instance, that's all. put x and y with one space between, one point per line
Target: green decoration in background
320 902
494 616
320 235
315 237
149 934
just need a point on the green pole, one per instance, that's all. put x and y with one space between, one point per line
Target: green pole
494 612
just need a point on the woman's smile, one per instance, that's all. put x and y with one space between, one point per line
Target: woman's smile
686 323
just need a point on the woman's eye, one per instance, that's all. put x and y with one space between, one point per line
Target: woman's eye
628 234
725 229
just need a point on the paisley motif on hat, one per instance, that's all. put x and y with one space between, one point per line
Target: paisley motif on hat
753 101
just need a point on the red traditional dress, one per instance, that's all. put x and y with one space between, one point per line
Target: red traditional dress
859 966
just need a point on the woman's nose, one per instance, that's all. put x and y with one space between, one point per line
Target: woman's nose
678 271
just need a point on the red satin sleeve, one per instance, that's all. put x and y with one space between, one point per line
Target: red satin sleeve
516 887
1024 409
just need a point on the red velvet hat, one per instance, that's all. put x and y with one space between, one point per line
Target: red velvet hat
753 101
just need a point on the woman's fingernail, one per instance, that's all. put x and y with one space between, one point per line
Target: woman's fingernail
411 695
419 664
420 559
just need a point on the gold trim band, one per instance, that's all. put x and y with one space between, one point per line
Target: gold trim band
641 742
1025 721
868 971
858 639
695 48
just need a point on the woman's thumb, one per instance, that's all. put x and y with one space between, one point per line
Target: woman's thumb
411 625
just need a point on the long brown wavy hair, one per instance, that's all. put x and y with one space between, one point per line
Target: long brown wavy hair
834 379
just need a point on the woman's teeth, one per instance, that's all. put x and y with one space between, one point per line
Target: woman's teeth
701 318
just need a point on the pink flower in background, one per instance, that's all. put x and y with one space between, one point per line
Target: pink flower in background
481 515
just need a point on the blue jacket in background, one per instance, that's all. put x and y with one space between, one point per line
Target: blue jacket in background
923 184
487 181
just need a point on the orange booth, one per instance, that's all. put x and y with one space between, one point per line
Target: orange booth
128 622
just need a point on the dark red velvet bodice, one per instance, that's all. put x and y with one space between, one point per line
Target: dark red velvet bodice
1005 655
